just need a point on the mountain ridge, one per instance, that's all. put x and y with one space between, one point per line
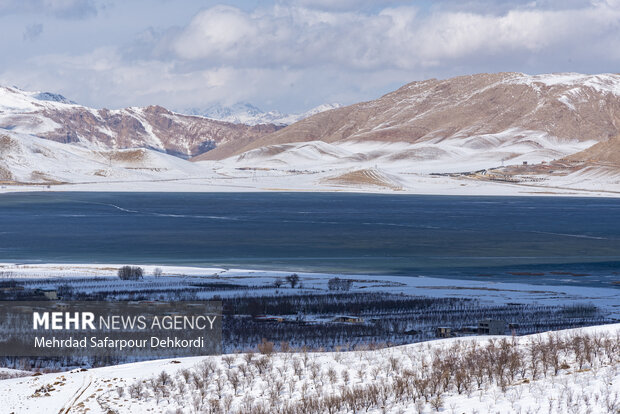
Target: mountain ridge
248 114
553 131
425 110
53 117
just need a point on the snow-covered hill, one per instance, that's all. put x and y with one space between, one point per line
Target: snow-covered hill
29 159
248 114
14 100
575 371
483 126
564 107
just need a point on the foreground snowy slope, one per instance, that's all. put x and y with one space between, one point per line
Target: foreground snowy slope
575 371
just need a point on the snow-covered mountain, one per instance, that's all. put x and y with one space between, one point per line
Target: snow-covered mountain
552 131
52 116
248 114
461 124
564 106
29 159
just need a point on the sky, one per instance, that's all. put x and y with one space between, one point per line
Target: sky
289 55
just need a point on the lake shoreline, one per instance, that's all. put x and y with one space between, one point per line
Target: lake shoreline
500 292
424 185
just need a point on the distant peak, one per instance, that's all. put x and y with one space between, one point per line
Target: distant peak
53 97
249 114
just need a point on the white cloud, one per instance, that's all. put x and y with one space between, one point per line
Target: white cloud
59 8
396 38
296 55
216 31
344 4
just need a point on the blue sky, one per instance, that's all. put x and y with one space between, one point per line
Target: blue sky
289 55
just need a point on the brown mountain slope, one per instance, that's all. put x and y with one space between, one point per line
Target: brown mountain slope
607 152
566 106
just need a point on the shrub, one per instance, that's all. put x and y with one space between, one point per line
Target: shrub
130 273
266 347
339 284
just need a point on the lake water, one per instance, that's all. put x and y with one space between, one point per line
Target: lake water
533 239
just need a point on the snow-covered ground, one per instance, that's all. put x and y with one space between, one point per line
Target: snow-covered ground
229 179
437 376
581 385
42 165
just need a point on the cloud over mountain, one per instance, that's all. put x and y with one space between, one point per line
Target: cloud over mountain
293 55
397 38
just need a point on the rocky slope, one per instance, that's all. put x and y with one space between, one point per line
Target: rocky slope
606 152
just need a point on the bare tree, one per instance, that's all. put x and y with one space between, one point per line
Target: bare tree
130 273
293 280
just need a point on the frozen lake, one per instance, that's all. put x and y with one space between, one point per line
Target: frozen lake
549 240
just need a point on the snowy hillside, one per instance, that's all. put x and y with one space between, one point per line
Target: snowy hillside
245 113
562 106
576 82
14 100
434 156
576 371
28 159
30 163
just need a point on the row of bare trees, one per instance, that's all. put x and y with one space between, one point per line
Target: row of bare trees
421 376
